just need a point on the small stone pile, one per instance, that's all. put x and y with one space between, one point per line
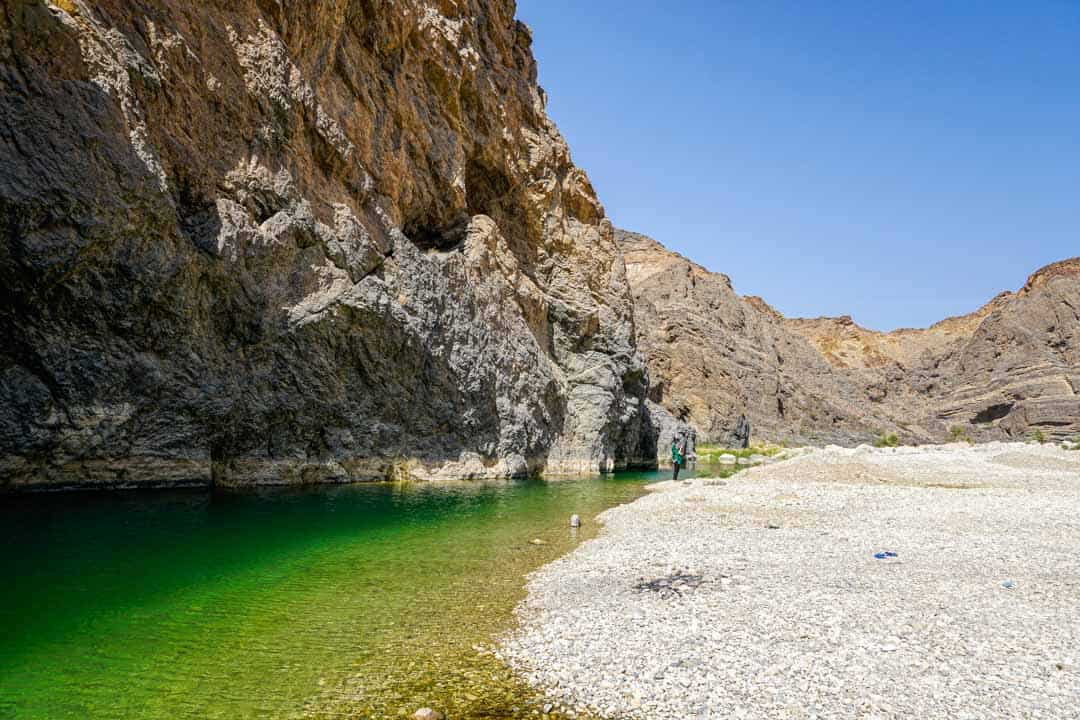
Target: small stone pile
672 585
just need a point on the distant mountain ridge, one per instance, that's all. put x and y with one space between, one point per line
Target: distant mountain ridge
1005 370
902 343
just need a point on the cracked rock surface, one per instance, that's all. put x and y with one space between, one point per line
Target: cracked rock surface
1005 371
261 242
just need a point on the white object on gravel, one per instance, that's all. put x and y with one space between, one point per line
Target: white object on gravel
687 606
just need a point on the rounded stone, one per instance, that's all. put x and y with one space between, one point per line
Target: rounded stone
427 714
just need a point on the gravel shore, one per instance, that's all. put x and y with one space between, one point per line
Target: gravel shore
760 596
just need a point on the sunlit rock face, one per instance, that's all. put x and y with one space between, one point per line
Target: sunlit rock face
1019 372
1011 369
265 242
714 355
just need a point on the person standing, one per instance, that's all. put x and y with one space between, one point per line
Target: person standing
677 458
742 432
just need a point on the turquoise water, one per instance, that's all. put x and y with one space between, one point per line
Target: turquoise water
328 601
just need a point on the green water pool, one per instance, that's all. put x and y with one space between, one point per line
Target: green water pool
326 602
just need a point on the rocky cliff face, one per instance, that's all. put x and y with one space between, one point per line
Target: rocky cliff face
846 344
714 355
1004 371
257 241
1020 369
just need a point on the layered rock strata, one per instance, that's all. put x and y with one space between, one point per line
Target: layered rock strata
714 355
1019 372
1009 370
266 242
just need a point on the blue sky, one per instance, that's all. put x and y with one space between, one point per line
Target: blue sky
898 162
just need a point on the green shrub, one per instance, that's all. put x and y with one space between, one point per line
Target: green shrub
887 440
709 453
1038 436
958 433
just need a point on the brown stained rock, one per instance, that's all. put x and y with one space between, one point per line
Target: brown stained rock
1009 368
1002 372
298 243
1020 370
714 355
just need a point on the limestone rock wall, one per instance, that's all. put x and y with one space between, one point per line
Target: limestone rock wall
713 355
285 242
1020 370
666 429
1005 371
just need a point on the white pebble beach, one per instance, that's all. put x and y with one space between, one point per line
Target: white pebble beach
760 596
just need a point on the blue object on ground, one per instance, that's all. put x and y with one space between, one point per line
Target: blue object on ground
886 554
1008 584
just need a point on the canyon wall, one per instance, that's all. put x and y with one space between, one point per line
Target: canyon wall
260 242
714 355
296 242
1010 370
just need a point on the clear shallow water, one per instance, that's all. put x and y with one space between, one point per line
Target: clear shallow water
327 601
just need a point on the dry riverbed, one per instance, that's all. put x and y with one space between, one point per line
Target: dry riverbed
760 596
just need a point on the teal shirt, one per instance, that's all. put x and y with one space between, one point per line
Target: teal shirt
676 456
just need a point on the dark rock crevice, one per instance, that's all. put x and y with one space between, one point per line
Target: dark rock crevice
992 413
